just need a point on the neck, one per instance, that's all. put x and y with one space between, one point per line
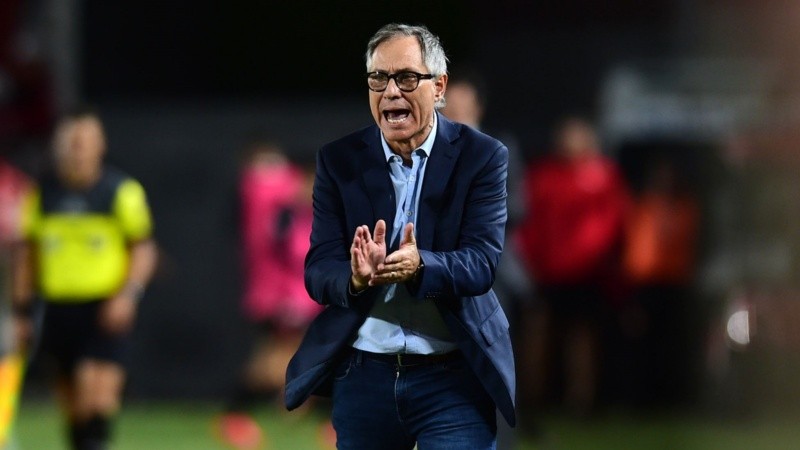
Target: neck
403 151
79 179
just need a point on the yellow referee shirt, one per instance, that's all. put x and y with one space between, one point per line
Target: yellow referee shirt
81 238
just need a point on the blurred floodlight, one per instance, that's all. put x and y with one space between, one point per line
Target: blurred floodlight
739 328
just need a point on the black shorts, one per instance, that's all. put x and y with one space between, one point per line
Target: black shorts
71 333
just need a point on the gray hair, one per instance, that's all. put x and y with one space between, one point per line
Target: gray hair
432 52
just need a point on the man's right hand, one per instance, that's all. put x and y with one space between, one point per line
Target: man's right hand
366 253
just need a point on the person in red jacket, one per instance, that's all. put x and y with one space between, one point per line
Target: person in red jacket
576 199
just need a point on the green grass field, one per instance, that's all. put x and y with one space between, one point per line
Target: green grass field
166 426
188 426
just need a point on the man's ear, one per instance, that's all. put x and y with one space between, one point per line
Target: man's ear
440 86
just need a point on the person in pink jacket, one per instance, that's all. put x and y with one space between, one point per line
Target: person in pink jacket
276 215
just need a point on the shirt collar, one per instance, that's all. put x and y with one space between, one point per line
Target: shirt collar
426 146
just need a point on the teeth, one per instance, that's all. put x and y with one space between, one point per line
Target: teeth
397 120
396 117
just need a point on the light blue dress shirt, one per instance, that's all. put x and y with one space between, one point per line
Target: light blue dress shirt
398 322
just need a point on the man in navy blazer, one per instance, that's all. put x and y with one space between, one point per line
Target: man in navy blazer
413 345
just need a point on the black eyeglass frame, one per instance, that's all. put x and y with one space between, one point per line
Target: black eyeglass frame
389 77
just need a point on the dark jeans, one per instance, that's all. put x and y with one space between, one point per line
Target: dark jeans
442 406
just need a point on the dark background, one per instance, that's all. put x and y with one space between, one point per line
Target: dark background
182 85
540 59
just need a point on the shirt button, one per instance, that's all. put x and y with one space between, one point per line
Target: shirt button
412 178
408 213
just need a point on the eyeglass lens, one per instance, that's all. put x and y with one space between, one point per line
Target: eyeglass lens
406 81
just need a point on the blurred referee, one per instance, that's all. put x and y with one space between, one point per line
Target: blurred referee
88 254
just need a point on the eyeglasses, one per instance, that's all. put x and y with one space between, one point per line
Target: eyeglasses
405 81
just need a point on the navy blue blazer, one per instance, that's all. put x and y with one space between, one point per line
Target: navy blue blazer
462 216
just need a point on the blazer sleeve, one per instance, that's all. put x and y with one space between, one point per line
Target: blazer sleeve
327 264
469 269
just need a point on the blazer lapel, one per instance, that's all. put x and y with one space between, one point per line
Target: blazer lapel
377 181
439 169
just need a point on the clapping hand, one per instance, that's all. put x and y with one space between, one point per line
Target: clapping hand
366 254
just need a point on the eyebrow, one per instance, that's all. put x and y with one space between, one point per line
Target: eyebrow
404 69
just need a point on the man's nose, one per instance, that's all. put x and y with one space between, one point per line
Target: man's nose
392 91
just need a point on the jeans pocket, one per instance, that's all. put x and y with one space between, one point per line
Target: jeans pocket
343 369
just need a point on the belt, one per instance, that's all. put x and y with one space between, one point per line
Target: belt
411 359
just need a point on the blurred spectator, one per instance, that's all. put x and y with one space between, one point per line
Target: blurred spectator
466 103
26 100
13 187
88 254
576 201
659 260
276 219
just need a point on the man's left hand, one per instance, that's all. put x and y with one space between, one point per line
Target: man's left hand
401 265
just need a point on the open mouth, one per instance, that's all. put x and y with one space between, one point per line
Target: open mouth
395 116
